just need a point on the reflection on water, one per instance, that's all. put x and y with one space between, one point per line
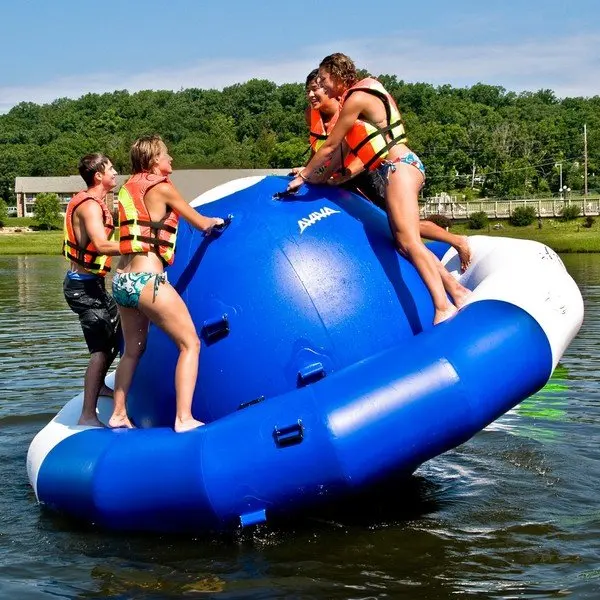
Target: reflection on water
511 514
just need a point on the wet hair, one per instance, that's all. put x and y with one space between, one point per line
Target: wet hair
91 164
143 151
312 76
341 68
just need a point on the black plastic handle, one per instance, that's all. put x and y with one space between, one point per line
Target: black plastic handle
290 435
284 194
219 229
215 328
225 225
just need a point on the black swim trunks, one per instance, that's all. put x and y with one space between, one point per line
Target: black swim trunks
98 313
370 184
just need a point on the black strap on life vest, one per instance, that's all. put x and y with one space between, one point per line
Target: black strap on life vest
158 225
318 136
81 251
79 258
152 240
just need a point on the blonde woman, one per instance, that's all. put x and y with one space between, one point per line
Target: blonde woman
149 209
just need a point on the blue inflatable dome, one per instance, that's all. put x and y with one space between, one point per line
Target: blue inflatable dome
320 370
295 289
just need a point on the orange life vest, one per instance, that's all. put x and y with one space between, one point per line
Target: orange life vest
137 232
89 257
318 134
369 143
318 129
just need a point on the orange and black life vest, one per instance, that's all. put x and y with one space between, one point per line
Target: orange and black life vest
137 232
318 129
89 257
368 142
319 132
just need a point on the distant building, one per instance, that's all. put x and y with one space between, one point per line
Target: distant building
191 183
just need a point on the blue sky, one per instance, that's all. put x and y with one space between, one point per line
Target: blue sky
58 48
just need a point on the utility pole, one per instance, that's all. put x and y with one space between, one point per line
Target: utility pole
559 165
585 161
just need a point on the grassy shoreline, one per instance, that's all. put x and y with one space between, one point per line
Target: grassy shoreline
31 242
565 237
561 237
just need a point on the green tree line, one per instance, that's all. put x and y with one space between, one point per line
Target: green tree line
482 140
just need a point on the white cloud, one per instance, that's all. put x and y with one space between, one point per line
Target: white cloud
568 66
565 65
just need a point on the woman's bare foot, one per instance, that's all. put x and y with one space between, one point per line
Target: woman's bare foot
459 295
188 424
90 421
120 422
464 252
443 315
105 391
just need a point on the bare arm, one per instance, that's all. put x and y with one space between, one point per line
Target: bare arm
169 195
90 215
352 170
335 164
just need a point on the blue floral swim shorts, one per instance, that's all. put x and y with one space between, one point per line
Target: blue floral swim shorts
127 287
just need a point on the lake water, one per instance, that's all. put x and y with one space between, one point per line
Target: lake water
513 513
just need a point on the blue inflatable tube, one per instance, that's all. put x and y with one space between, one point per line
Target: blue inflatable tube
329 424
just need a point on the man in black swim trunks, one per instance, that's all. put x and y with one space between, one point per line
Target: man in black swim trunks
88 246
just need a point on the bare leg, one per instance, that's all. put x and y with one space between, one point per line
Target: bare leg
135 331
106 391
431 231
168 311
403 213
459 293
93 382
460 243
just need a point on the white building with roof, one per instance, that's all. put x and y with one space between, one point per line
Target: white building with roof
190 182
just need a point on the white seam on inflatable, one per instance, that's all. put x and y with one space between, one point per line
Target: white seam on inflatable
226 189
529 275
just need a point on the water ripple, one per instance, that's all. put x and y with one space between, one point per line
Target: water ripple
512 513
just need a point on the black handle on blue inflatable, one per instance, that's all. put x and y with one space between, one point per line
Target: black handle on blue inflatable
290 435
215 328
219 229
226 222
284 194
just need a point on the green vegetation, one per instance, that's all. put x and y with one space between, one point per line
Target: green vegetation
33 242
570 212
522 216
30 242
46 210
440 221
481 140
3 213
20 222
571 236
478 220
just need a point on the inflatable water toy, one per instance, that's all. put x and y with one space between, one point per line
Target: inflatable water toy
320 371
